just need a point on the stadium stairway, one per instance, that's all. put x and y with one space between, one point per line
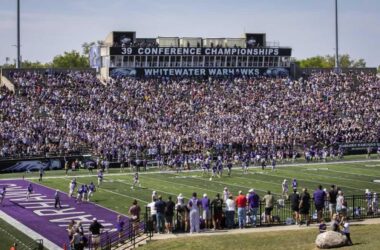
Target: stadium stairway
7 83
101 80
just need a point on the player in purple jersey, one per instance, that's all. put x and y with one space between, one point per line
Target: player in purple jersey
85 193
294 184
228 163
91 190
214 171
2 194
80 193
29 191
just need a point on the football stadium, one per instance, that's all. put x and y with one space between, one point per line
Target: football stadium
188 142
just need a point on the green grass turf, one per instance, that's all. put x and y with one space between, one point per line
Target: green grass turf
363 237
116 193
11 236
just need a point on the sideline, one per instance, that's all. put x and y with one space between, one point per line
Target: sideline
191 171
26 230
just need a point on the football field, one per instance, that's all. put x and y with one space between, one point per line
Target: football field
353 177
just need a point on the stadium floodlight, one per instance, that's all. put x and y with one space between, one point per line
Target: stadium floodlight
18 35
337 68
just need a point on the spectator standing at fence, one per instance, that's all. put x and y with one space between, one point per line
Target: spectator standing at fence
295 202
153 212
253 205
341 205
304 206
319 201
368 196
269 203
77 240
134 211
226 194
230 212
206 211
160 216
333 193
95 228
241 203
193 206
217 206
120 227
375 203
169 213
71 230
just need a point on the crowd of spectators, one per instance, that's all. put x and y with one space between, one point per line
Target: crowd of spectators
65 112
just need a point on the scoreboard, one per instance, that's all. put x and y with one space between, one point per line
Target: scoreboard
126 55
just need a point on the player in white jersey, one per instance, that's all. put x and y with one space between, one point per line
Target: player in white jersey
285 189
72 187
100 176
136 180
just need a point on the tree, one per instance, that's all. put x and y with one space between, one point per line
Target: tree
29 64
316 62
378 69
328 61
71 59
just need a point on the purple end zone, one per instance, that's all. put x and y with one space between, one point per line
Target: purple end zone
39 214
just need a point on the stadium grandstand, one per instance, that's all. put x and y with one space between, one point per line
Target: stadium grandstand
181 104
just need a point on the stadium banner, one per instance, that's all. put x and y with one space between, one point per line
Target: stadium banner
94 56
360 146
194 51
35 164
198 72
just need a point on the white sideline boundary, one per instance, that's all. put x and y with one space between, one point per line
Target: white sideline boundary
26 230
189 171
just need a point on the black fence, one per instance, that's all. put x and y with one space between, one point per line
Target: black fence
358 207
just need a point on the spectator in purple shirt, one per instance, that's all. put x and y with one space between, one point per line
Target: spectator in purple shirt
319 201
193 206
253 205
206 210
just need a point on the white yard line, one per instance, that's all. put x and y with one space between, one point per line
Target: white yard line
26 230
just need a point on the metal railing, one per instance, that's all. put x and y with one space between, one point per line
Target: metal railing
133 234
358 207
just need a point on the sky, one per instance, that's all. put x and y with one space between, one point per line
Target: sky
50 27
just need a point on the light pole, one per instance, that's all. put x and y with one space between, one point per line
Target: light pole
18 35
337 68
